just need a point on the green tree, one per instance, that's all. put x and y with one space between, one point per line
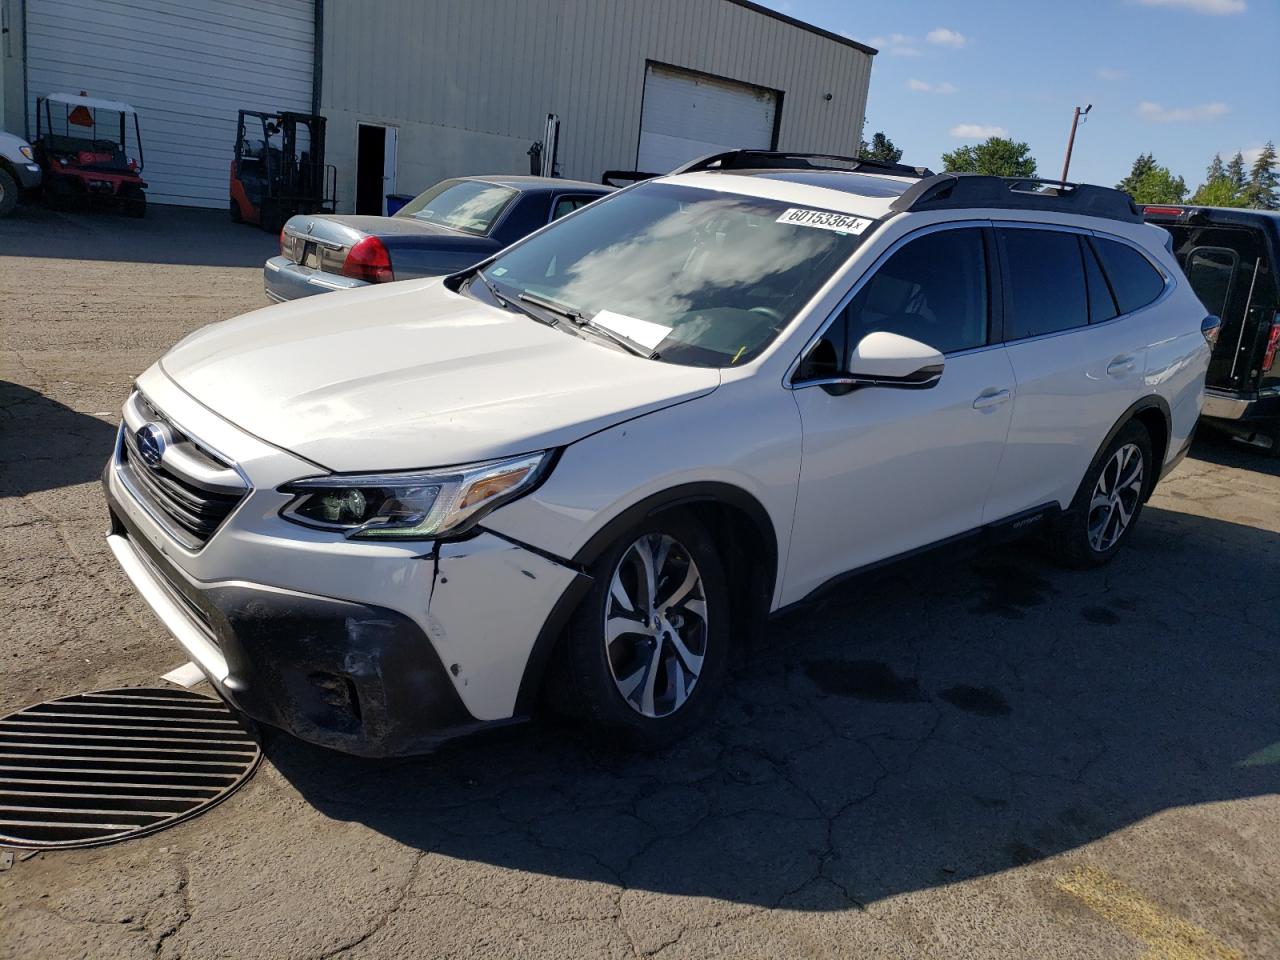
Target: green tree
1159 185
880 148
1235 170
996 157
1216 170
1141 167
1218 192
1263 189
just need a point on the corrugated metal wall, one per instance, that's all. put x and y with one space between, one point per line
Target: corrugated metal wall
186 66
469 82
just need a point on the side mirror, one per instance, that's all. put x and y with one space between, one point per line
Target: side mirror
883 359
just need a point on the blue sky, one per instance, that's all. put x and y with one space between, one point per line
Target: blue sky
1182 79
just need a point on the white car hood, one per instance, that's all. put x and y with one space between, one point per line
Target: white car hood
411 375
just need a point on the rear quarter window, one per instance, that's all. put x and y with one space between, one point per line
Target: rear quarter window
1134 281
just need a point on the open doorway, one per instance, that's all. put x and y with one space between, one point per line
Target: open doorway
375 167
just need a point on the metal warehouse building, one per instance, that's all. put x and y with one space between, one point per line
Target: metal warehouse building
418 90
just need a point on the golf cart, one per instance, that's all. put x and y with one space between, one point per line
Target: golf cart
82 146
278 169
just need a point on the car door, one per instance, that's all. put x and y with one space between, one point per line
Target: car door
1078 361
886 470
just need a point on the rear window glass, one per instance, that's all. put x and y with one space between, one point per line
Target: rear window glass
1134 280
1045 277
467 205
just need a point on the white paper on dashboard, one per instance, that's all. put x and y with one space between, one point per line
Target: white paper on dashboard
643 332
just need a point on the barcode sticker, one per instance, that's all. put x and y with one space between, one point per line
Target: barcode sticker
824 220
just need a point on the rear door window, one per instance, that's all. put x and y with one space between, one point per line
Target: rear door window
1102 305
1044 280
566 205
1134 281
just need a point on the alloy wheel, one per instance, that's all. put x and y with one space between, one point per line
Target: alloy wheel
655 625
1115 498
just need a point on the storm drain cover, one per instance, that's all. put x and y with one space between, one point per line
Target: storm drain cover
100 767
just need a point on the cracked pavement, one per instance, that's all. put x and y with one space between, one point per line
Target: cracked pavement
984 757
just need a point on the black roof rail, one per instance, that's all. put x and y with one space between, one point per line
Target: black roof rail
952 191
780 160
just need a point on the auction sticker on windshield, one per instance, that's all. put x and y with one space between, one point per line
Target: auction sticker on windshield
824 220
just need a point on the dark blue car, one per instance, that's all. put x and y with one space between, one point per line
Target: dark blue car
449 227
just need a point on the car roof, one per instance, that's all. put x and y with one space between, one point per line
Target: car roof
528 183
863 194
92 103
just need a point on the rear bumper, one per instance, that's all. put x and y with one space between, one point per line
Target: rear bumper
1240 413
285 280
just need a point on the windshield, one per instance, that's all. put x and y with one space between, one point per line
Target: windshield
700 277
467 205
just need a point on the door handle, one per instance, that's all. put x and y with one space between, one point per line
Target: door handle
1120 366
988 399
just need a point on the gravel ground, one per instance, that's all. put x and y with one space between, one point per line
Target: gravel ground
984 758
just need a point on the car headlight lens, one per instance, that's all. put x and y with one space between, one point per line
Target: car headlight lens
26 152
412 506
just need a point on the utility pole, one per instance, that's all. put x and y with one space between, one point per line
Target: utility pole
1077 118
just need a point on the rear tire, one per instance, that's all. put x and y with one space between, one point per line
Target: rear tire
8 193
648 669
1110 499
235 213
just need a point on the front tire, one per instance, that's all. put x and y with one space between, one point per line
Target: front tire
646 654
1109 501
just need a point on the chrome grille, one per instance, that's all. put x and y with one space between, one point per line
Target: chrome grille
190 491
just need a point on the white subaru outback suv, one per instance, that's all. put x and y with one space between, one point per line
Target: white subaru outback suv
583 470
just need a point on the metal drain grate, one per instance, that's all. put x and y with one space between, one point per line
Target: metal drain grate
99 767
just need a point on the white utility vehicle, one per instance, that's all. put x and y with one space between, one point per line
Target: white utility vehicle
584 469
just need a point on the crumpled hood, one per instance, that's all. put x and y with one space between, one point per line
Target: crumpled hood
407 375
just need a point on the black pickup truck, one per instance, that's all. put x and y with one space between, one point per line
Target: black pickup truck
1232 258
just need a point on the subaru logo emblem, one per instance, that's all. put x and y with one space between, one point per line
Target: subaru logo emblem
150 438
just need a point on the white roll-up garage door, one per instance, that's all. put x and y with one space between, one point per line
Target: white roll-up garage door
186 66
688 115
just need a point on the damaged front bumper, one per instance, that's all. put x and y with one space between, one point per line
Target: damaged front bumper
376 651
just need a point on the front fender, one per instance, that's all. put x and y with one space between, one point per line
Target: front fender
739 444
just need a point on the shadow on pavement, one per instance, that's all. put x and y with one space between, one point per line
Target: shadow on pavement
45 445
947 723
172 235
1214 447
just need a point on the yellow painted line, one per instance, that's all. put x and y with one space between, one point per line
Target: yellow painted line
1167 937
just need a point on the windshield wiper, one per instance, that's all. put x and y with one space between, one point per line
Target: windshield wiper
580 319
509 304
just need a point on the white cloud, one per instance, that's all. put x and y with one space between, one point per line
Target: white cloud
1111 73
1156 113
977 131
1250 155
897 45
924 86
946 37
1215 8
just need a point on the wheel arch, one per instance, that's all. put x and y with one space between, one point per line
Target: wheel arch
1153 413
741 529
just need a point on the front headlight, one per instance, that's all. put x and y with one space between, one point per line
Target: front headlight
412 506
26 152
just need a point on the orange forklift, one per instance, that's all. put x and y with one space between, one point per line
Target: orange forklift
278 169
